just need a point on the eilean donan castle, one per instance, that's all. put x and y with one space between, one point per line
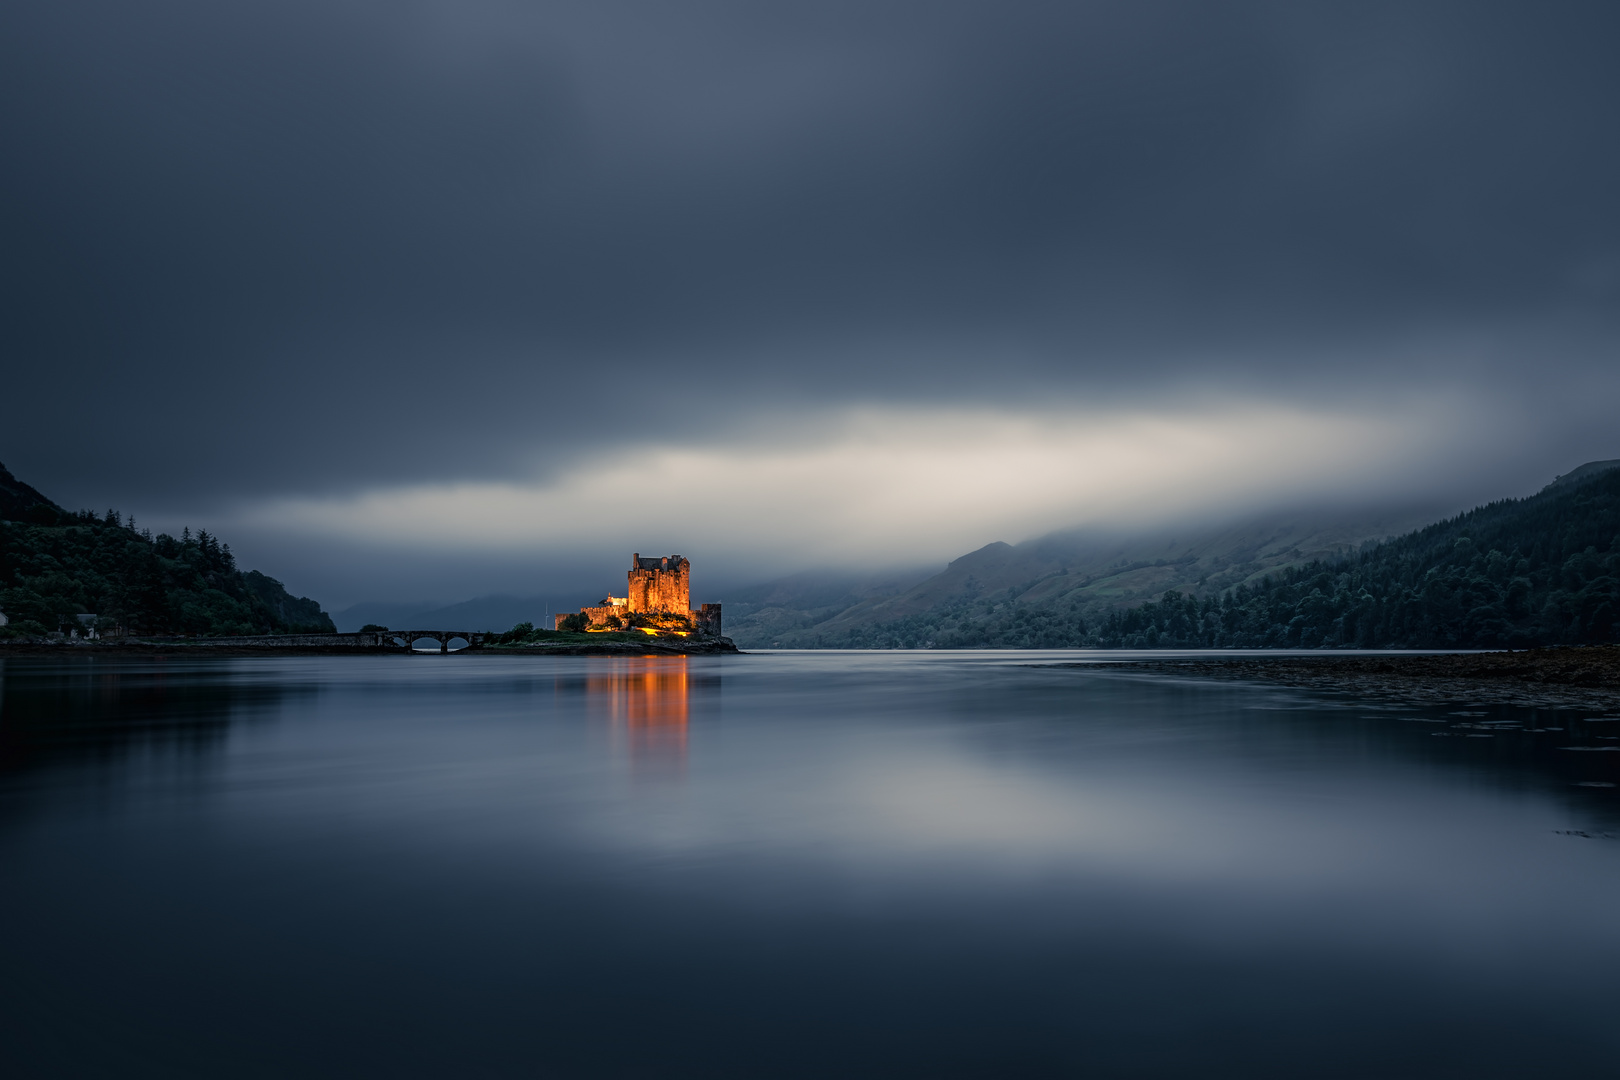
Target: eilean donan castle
658 599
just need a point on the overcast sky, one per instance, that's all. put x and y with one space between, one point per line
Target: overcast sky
426 299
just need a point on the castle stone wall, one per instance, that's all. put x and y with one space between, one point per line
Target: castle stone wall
605 615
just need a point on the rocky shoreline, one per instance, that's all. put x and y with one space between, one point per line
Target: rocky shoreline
1569 676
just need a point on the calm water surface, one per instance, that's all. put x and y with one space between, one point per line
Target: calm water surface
792 864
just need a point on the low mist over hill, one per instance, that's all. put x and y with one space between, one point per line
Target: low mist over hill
1083 574
1539 570
1519 572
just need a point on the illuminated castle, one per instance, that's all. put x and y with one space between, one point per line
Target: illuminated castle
658 600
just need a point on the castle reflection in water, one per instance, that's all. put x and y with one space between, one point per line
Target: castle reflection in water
648 703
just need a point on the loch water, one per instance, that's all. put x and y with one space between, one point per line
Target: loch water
933 864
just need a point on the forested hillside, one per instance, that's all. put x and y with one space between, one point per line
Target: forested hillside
1540 570
56 565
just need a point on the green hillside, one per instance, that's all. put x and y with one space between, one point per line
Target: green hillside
56 565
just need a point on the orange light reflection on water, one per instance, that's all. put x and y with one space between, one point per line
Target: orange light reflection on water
647 698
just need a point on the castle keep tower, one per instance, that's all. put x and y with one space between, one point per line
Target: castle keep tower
662 585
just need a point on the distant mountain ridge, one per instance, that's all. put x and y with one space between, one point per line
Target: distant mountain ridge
1585 472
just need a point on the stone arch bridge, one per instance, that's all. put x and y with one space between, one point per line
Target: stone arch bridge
407 639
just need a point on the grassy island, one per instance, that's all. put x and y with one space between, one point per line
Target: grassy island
525 638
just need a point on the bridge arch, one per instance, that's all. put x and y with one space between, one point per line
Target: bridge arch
439 641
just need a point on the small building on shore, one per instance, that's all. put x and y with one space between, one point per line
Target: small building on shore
657 600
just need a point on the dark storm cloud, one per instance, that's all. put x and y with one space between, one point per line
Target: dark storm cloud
273 248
